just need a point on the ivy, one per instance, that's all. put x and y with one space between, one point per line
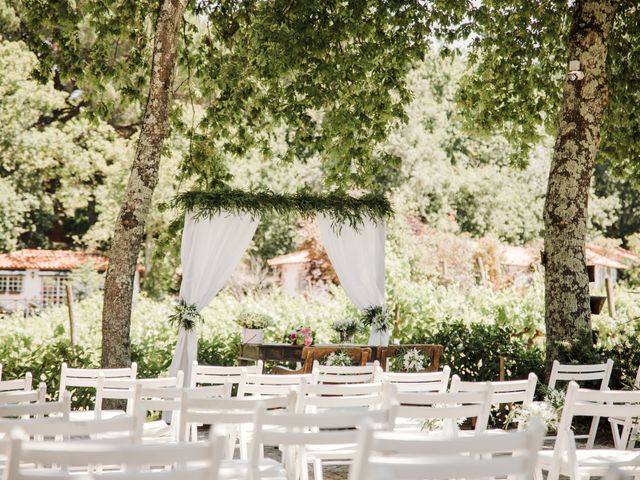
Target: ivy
341 207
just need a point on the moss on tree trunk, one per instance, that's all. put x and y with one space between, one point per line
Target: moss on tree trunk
567 311
129 229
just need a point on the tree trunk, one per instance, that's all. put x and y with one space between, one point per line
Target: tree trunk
567 312
129 230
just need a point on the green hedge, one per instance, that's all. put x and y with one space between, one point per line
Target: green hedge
477 327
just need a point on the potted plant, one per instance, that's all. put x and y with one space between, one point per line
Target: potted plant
346 328
253 325
378 319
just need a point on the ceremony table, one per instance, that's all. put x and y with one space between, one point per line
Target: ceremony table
287 353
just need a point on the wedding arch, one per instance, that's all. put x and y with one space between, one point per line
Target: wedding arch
219 226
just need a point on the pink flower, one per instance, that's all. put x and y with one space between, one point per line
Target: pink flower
305 330
307 340
292 336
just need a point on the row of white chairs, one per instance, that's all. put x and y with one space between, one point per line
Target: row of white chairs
376 451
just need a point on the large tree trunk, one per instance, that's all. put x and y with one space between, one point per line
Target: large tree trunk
567 311
129 230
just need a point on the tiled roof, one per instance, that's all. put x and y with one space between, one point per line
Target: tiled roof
49 260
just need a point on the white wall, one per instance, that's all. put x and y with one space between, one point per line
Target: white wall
31 288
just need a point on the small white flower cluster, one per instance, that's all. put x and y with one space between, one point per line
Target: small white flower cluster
338 359
548 411
541 410
437 424
413 361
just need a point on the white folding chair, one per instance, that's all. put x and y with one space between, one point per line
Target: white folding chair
18 384
324 437
124 429
217 375
124 389
346 374
419 382
582 373
88 378
186 427
126 462
318 397
32 404
441 412
233 413
567 459
410 456
630 424
505 392
266 385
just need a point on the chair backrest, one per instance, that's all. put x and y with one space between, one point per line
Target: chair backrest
448 408
265 385
34 406
360 355
314 397
195 462
301 429
216 375
346 374
88 377
131 388
581 373
127 429
419 382
508 391
432 352
196 409
384 455
25 383
24 396
590 403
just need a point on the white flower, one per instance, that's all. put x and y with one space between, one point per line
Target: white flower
413 361
338 359
541 410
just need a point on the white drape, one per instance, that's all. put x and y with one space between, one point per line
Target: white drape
357 255
211 250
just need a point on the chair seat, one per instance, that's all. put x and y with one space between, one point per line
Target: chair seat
621 421
84 415
268 467
596 460
344 451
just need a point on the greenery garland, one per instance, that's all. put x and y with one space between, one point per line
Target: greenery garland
341 207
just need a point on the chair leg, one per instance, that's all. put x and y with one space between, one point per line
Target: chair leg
592 432
317 469
615 433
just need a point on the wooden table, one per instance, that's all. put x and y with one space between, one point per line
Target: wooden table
282 352
287 353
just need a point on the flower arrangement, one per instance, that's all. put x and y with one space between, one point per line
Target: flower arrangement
548 411
346 328
378 318
338 359
301 336
411 360
437 424
253 320
185 315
